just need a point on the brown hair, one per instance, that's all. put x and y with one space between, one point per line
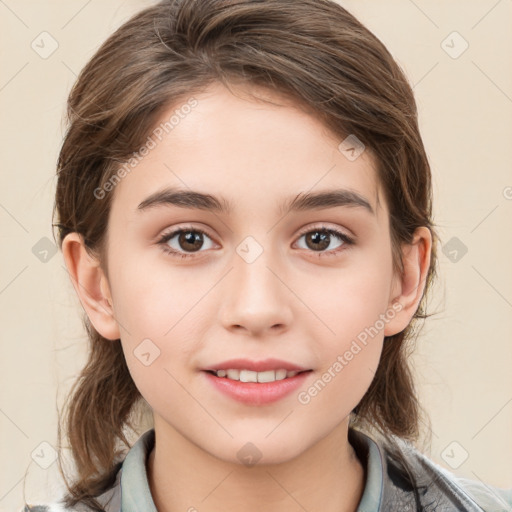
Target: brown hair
313 51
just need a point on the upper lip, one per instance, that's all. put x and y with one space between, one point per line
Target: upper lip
256 366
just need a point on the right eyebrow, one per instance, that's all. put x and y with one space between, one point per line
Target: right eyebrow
185 199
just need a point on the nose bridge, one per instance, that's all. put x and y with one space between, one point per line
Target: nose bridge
257 299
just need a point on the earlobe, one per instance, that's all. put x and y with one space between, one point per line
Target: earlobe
91 285
409 287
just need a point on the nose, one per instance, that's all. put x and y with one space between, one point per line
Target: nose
256 298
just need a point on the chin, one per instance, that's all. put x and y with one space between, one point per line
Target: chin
256 450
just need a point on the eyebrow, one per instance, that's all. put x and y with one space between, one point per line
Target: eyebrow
301 202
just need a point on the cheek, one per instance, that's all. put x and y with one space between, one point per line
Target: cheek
349 353
151 298
351 309
349 301
159 312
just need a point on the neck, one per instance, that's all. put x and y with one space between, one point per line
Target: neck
327 477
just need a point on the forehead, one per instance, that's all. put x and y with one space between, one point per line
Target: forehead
247 146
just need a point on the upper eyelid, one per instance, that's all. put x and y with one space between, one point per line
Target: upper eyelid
325 227
172 232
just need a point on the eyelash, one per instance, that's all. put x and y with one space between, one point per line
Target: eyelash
347 241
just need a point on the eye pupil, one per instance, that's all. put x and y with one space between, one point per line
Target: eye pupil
321 240
190 237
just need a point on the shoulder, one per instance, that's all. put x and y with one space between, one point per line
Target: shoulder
47 507
436 485
488 497
110 501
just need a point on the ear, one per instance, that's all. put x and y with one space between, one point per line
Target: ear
408 288
91 285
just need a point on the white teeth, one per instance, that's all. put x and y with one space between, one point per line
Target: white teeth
248 376
251 376
268 376
280 374
233 374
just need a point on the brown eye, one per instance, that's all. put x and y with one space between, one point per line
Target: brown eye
320 239
190 240
182 242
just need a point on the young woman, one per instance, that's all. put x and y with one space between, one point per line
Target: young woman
244 208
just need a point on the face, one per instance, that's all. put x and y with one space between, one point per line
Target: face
250 276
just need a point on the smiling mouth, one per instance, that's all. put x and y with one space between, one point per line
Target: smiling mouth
252 376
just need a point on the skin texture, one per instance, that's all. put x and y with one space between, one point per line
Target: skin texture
288 303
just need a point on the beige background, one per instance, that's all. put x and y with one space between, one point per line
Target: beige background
464 355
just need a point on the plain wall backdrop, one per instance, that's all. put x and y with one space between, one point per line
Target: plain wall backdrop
456 55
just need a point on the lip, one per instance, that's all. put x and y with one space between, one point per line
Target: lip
255 393
256 366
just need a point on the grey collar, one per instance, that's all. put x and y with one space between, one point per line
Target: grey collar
387 486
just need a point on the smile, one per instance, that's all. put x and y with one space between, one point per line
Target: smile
251 388
251 376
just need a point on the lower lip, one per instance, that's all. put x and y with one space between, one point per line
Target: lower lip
255 393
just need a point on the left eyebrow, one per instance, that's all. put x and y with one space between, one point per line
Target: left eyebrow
326 199
301 202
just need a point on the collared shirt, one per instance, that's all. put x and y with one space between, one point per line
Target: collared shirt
385 489
136 495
